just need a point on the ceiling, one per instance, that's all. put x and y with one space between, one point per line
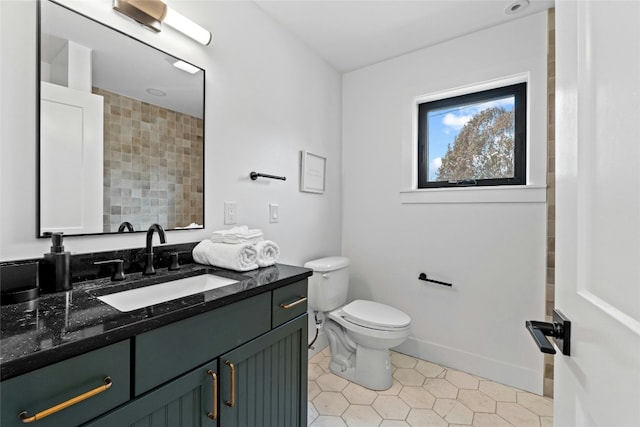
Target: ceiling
348 34
351 34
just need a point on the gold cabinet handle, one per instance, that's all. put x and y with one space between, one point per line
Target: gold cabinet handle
214 414
231 403
293 304
64 405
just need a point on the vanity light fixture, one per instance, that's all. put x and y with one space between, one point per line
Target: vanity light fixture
153 13
185 66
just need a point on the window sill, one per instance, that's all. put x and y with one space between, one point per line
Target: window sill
502 194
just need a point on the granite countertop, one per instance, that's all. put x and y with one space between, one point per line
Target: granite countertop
61 325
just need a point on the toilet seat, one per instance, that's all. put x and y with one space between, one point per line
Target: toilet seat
370 314
373 337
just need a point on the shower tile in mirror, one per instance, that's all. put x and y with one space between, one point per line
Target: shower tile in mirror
152 165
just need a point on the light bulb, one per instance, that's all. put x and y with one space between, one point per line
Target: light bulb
187 27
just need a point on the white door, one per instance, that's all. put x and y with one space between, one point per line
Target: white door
71 166
598 211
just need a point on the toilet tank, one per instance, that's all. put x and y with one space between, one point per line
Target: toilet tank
329 284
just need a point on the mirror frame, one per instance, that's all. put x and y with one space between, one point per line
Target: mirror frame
39 232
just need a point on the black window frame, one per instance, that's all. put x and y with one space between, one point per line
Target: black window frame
519 91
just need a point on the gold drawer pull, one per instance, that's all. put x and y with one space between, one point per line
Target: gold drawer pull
293 304
231 403
213 415
64 405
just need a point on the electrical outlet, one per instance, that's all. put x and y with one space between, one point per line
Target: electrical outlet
229 213
274 212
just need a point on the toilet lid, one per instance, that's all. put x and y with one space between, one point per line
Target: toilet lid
373 314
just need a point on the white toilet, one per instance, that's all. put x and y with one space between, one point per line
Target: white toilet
360 333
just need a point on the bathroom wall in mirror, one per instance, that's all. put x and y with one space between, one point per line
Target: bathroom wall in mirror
121 128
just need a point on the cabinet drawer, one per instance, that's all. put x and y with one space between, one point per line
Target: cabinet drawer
36 391
166 352
287 302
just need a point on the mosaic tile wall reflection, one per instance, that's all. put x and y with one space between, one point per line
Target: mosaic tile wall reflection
153 165
551 190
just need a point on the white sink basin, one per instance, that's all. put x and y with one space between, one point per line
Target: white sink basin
163 292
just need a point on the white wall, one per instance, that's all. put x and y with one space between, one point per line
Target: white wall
267 97
494 253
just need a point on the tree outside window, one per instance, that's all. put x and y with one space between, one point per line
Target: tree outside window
474 139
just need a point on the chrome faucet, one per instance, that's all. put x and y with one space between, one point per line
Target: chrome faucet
148 265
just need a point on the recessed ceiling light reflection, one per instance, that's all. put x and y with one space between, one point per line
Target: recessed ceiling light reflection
155 92
516 7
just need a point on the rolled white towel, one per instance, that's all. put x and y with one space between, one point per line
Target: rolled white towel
238 239
239 257
238 229
238 234
268 253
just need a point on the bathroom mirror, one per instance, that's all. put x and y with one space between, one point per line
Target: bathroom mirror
121 130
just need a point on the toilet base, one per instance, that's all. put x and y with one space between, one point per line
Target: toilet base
372 369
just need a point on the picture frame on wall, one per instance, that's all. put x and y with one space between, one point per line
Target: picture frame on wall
312 172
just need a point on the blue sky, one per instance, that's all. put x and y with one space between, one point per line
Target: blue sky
445 124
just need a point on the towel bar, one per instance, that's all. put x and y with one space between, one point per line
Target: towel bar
256 175
424 277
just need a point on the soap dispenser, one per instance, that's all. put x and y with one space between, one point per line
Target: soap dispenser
55 274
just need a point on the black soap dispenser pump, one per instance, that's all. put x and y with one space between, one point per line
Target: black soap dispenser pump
56 272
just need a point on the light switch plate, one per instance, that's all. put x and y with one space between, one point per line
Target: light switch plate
274 212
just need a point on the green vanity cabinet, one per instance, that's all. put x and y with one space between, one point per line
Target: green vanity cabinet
264 382
188 401
240 365
66 383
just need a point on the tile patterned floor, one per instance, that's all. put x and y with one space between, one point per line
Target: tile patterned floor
423 395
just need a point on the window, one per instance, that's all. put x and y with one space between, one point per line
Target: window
474 139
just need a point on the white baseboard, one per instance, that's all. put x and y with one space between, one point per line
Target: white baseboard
475 364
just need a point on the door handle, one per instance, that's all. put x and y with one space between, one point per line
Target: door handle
300 300
231 402
214 413
540 331
559 330
64 405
